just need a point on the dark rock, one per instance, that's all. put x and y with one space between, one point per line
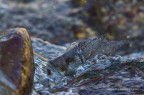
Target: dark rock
16 62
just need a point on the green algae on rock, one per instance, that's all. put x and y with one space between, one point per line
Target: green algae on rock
16 62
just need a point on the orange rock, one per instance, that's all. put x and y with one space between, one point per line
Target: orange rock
16 62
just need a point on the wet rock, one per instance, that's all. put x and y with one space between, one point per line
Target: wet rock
42 82
101 74
16 62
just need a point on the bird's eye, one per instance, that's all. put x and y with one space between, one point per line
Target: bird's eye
82 44
49 72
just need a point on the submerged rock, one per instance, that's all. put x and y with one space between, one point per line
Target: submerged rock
16 62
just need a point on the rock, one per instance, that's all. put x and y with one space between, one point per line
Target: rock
16 62
100 75
48 51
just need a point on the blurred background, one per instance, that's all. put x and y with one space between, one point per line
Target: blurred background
64 21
